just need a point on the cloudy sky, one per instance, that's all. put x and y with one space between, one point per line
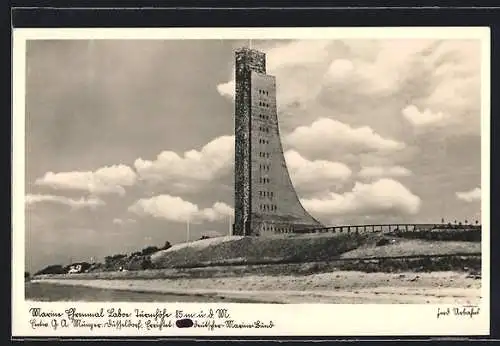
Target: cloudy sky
127 140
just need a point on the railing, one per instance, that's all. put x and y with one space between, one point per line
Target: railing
406 227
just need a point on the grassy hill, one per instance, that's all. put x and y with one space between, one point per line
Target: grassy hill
301 249
298 255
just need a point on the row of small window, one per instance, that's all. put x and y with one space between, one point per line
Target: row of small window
263 104
264 129
263 141
268 207
263 167
262 154
266 194
264 180
273 228
264 116
263 92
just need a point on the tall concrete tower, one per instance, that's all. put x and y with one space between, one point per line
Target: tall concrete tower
265 200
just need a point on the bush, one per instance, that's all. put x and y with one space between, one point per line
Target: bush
149 250
52 269
140 263
96 267
109 259
383 241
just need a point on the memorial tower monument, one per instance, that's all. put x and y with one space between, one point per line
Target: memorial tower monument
265 200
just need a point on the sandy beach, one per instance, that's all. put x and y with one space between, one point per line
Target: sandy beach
335 287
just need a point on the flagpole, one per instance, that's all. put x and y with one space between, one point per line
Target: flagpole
187 229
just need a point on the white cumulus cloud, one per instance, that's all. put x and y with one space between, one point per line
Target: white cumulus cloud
339 70
297 53
203 165
423 118
309 175
470 196
383 171
176 209
299 86
327 134
441 78
383 196
91 202
105 180
227 89
217 212
456 86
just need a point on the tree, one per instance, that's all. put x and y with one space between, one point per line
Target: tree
442 221
52 269
149 250
477 222
167 245
466 221
146 263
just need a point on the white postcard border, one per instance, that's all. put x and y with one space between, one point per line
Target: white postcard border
290 319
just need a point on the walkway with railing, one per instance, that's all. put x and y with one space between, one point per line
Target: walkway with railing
406 227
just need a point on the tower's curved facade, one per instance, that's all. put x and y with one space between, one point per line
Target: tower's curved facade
265 199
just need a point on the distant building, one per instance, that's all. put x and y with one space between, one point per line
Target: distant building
75 269
265 199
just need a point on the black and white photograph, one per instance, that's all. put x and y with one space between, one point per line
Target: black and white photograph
256 170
